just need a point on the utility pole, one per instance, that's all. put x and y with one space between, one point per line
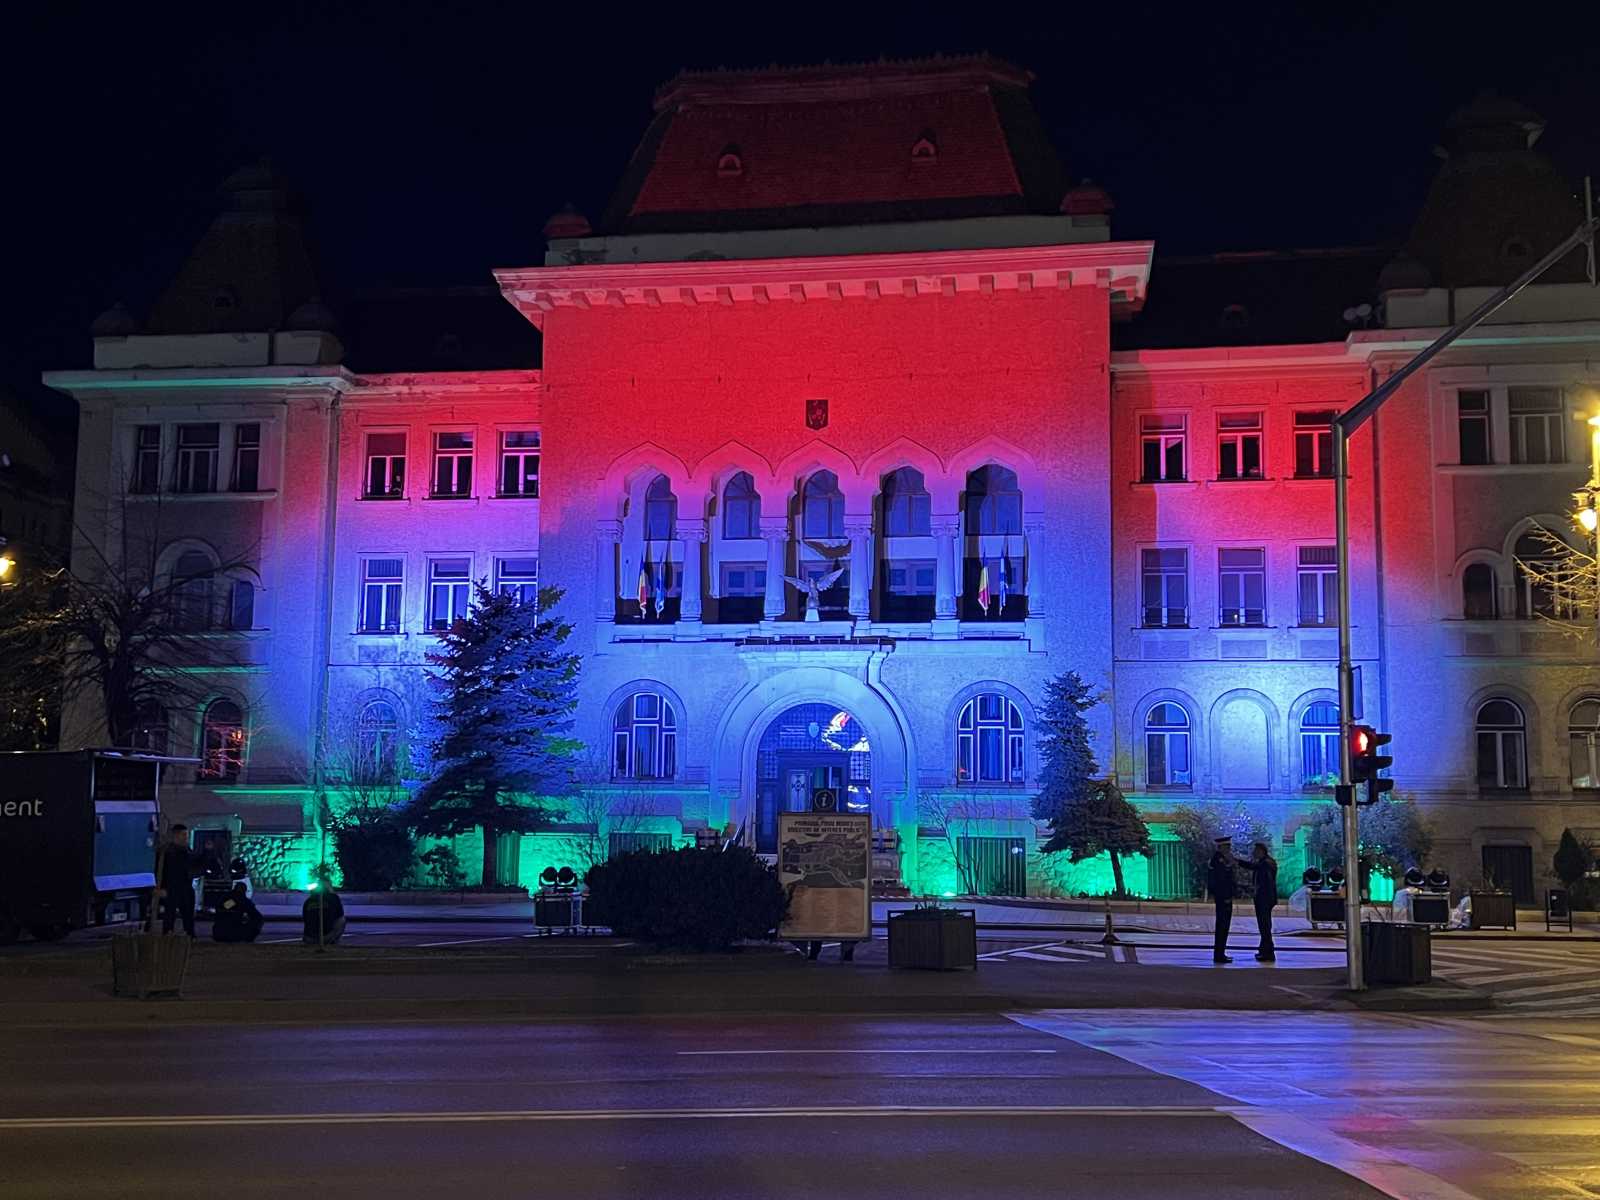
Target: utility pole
1343 426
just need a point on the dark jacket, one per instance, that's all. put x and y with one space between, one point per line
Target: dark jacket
177 870
1220 880
1265 880
237 920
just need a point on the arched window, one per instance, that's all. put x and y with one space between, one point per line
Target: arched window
907 507
993 501
1479 601
149 731
741 508
377 742
242 606
1319 745
989 741
1583 736
1536 566
222 741
823 513
191 590
644 738
660 511
1166 747
1502 746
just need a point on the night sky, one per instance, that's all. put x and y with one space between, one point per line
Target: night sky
431 141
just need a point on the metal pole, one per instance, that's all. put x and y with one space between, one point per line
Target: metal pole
1347 707
1343 426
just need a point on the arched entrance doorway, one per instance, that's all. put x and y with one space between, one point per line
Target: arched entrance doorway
803 750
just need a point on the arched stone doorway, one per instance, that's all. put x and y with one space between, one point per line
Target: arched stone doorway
805 749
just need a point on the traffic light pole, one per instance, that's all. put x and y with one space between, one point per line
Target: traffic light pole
1343 426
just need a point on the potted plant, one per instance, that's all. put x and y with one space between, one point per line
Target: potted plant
931 937
1396 952
1493 906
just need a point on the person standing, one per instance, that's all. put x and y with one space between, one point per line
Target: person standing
1223 886
175 874
1264 870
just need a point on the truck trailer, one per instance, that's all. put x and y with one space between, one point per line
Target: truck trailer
78 837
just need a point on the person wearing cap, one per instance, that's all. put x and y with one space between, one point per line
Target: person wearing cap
1223 886
1264 871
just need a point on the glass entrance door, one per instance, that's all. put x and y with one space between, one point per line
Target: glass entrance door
806 749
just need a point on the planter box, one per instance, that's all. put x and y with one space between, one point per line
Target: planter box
939 939
149 964
1396 953
1494 910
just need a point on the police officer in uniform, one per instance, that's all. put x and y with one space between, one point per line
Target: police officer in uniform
1222 885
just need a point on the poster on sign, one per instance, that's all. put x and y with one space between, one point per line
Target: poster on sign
825 866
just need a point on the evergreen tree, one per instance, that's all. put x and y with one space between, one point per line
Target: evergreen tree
1088 816
1573 859
505 691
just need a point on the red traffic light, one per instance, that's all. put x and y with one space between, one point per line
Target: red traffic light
1360 740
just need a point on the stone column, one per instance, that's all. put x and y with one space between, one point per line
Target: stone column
946 549
692 533
608 534
859 530
775 531
1033 565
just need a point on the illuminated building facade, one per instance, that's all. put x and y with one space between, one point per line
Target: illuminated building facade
852 426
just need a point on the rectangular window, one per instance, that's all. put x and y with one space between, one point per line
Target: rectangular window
247 457
449 585
908 514
198 449
911 577
386 466
146 460
1161 443
1472 417
744 579
382 581
518 577
1165 587
519 462
1313 444
452 464
1536 416
1239 445
1318 580
1242 586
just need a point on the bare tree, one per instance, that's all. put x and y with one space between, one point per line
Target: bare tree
120 631
603 808
957 816
1563 584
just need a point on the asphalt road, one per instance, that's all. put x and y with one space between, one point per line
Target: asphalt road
711 1109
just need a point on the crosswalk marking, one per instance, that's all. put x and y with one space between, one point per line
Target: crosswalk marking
1559 979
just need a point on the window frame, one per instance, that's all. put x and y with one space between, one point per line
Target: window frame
1168 736
145 478
1467 607
1244 610
394 481
515 580
830 505
461 459
193 593
196 462
1553 420
1156 434
747 503
1154 569
1315 437
1501 737
246 458
1238 436
526 488
974 751
625 748
393 590
377 743
1328 574
1590 738
454 590
1482 418
231 747
1325 740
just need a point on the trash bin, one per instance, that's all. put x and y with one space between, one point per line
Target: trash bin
1392 952
149 964
934 939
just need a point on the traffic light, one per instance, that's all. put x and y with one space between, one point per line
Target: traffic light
1366 762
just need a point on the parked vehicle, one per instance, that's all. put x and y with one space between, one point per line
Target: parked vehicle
78 832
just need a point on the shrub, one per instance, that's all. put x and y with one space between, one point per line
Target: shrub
1199 825
374 853
443 868
689 899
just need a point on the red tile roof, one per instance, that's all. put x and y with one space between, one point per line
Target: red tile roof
833 145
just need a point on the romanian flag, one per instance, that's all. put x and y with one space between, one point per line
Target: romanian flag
644 592
983 587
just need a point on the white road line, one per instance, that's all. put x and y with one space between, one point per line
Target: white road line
1019 949
1049 958
1578 985
708 1053
506 937
1156 1111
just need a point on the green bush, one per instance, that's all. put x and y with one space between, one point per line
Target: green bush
689 899
374 854
443 868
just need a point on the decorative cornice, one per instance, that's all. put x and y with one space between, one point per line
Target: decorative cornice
1122 268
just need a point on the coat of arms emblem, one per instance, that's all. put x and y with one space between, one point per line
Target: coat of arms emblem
816 414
